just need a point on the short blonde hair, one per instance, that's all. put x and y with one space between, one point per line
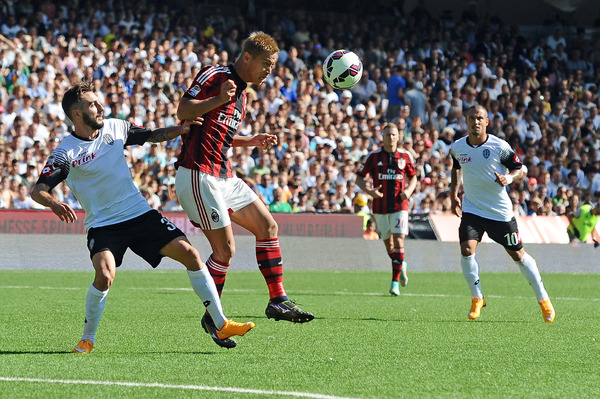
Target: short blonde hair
259 43
390 125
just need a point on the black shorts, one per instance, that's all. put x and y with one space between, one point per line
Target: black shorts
146 235
506 234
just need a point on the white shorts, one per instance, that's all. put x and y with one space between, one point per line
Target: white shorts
391 223
209 200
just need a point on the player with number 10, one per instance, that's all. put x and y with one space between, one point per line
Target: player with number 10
487 164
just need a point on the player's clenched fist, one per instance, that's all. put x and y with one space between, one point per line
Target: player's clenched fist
228 90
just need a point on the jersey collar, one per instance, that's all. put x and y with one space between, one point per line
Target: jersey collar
83 138
238 80
475 146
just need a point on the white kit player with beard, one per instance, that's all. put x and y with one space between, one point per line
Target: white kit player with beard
92 163
486 165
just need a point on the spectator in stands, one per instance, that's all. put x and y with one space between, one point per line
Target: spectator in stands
278 205
5 194
371 230
23 199
169 58
265 188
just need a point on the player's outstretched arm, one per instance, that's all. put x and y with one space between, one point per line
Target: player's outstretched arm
169 133
41 194
261 140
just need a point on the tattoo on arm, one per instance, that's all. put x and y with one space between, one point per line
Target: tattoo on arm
163 134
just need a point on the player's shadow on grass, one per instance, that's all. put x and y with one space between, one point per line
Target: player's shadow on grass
181 352
387 320
33 352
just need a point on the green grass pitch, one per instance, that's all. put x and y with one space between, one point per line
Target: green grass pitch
363 343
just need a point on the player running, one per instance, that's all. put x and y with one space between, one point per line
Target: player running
481 161
92 163
393 179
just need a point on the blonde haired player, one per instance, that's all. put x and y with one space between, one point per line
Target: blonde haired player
209 192
392 179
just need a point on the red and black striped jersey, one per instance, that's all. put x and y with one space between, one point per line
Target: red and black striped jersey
390 170
205 147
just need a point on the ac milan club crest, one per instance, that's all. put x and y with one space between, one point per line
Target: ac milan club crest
401 163
214 216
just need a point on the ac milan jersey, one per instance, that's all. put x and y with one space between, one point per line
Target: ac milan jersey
390 170
205 146
483 195
96 171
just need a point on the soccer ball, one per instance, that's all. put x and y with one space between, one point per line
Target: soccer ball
342 69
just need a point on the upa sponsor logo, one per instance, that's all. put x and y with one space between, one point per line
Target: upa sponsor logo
230 121
83 159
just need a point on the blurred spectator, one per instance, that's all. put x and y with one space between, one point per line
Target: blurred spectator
540 87
278 205
23 199
265 187
370 232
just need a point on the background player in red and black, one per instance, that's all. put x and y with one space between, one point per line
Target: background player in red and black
392 176
208 191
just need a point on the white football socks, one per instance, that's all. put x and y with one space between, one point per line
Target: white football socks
530 270
204 286
470 269
95 302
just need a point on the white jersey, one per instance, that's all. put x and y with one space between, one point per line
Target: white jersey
483 195
96 171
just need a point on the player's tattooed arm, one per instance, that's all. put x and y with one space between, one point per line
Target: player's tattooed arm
161 134
169 133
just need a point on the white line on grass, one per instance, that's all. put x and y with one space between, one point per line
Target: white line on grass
170 386
305 292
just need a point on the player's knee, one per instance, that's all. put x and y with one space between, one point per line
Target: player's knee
103 280
467 251
224 253
272 229
191 258
104 265
518 255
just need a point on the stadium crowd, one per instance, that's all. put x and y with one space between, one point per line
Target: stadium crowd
420 72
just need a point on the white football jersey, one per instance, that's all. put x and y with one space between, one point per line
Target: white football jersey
483 195
96 171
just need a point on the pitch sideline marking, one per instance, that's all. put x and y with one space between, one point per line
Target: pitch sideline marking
176 386
306 292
